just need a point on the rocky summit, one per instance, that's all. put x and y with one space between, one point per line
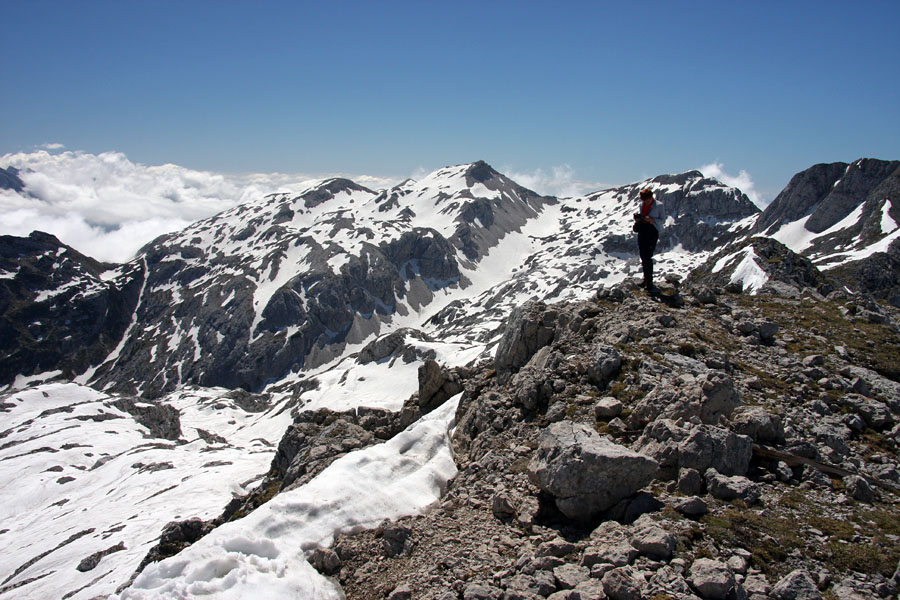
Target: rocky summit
455 389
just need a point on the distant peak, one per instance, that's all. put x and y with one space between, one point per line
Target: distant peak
335 185
330 188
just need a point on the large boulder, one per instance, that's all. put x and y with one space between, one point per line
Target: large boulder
584 472
606 362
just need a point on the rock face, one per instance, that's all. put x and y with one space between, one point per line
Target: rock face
878 274
830 192
697 447
586 473
56 311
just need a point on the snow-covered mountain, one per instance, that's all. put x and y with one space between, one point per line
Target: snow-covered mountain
332 298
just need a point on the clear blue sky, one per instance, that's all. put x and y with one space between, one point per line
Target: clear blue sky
617 90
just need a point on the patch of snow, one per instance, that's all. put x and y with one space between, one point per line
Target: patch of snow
722 262
841 258
795 235
888 224
749 273
264 554
25 381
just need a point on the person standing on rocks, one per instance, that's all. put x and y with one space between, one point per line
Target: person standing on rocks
648 223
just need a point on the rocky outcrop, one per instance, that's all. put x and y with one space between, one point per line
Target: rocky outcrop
529 328
162 420
694 400
877 274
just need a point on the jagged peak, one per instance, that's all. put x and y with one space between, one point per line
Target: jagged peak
10 180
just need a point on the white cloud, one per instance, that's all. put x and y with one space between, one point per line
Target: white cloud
560 181
52 146
742 181
107 206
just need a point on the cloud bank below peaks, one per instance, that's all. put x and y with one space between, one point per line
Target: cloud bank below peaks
559 181
108 207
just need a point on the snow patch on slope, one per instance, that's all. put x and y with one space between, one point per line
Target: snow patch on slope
264 554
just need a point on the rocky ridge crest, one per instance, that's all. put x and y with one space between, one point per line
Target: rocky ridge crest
772 422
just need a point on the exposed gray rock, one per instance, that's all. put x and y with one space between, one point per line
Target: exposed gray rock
796 585
393 345
325 561
650 539
401 592
711 578
163 420
690 481
584 472
502 506
693 506
710 398
609 545
569 576
82 318
605 362
91 562
607 408
622 583
558 548
618 552
480 591
757 423
699 447
436 385
397 540
859 488
729 488
528 329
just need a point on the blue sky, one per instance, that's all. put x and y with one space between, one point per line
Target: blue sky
617 91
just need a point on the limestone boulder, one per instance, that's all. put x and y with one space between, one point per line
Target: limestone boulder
584 472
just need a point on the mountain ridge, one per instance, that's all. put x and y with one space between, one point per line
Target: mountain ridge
315 271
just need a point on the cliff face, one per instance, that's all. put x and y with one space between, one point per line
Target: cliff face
60 310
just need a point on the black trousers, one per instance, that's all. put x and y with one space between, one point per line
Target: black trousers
647 238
